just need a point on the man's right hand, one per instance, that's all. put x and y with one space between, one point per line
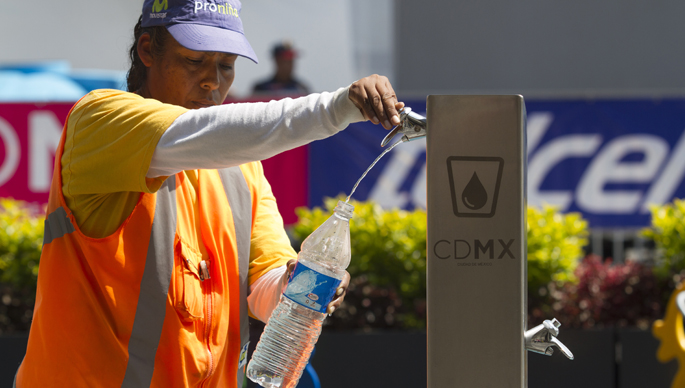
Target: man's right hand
376 99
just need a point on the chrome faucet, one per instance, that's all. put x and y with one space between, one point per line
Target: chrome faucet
542 338
412 126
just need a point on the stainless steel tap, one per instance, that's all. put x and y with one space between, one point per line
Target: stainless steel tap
542 338
412 126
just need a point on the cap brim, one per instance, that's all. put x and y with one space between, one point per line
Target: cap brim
199 37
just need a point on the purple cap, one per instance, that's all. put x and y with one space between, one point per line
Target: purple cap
206 25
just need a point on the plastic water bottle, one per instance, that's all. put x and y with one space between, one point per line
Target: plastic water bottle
295 324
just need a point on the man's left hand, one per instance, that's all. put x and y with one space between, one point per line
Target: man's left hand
340 292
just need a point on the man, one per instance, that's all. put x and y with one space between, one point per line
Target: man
160 222
283 82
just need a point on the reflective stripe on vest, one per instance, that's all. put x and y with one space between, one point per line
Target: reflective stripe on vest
154 287
57 224
240 201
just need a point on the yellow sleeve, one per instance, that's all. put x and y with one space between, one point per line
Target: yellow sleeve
269 246
111 136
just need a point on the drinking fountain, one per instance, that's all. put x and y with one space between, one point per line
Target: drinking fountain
476 243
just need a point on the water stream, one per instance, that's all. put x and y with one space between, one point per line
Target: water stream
370 167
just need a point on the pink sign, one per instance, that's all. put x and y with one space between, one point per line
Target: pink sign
30 133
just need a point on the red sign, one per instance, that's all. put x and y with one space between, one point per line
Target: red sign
287 174
30 133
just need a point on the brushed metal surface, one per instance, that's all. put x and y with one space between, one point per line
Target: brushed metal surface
476 247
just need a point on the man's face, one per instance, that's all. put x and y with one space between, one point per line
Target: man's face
191 79
284 67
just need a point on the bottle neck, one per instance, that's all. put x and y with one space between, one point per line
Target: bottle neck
344 210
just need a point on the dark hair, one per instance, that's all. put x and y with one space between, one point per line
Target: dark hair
137 74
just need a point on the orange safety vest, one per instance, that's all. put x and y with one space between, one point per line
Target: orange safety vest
139 308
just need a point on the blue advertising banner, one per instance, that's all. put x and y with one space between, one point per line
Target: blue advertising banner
608 159
397 180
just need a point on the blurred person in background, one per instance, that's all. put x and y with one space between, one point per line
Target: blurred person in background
162 235
283 82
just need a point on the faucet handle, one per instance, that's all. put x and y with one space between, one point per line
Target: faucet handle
566 351
542 339
412 126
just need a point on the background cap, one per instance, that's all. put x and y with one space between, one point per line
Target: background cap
284 50
201 25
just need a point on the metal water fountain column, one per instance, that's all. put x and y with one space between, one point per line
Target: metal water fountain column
476 245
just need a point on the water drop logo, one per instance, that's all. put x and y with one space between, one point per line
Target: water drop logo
474 184
158 6
474 195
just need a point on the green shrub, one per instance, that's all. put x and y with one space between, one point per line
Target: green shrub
21 240
388 267
668 233
555 246
388 264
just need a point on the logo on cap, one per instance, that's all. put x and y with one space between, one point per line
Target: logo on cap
226 9
158 6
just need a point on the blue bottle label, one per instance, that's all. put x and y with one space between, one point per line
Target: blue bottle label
310 288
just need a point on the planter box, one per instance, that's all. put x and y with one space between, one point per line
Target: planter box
385 359
13 348
398 360
637 363
604 358
594 363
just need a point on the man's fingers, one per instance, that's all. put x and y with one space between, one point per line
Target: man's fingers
376 99
368 110
339 296
335 303
289 267
382 98
359 98
390 102
340 293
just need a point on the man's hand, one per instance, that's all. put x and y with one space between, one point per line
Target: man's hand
339 293
376 99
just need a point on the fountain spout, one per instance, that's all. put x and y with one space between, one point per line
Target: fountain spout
412 126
